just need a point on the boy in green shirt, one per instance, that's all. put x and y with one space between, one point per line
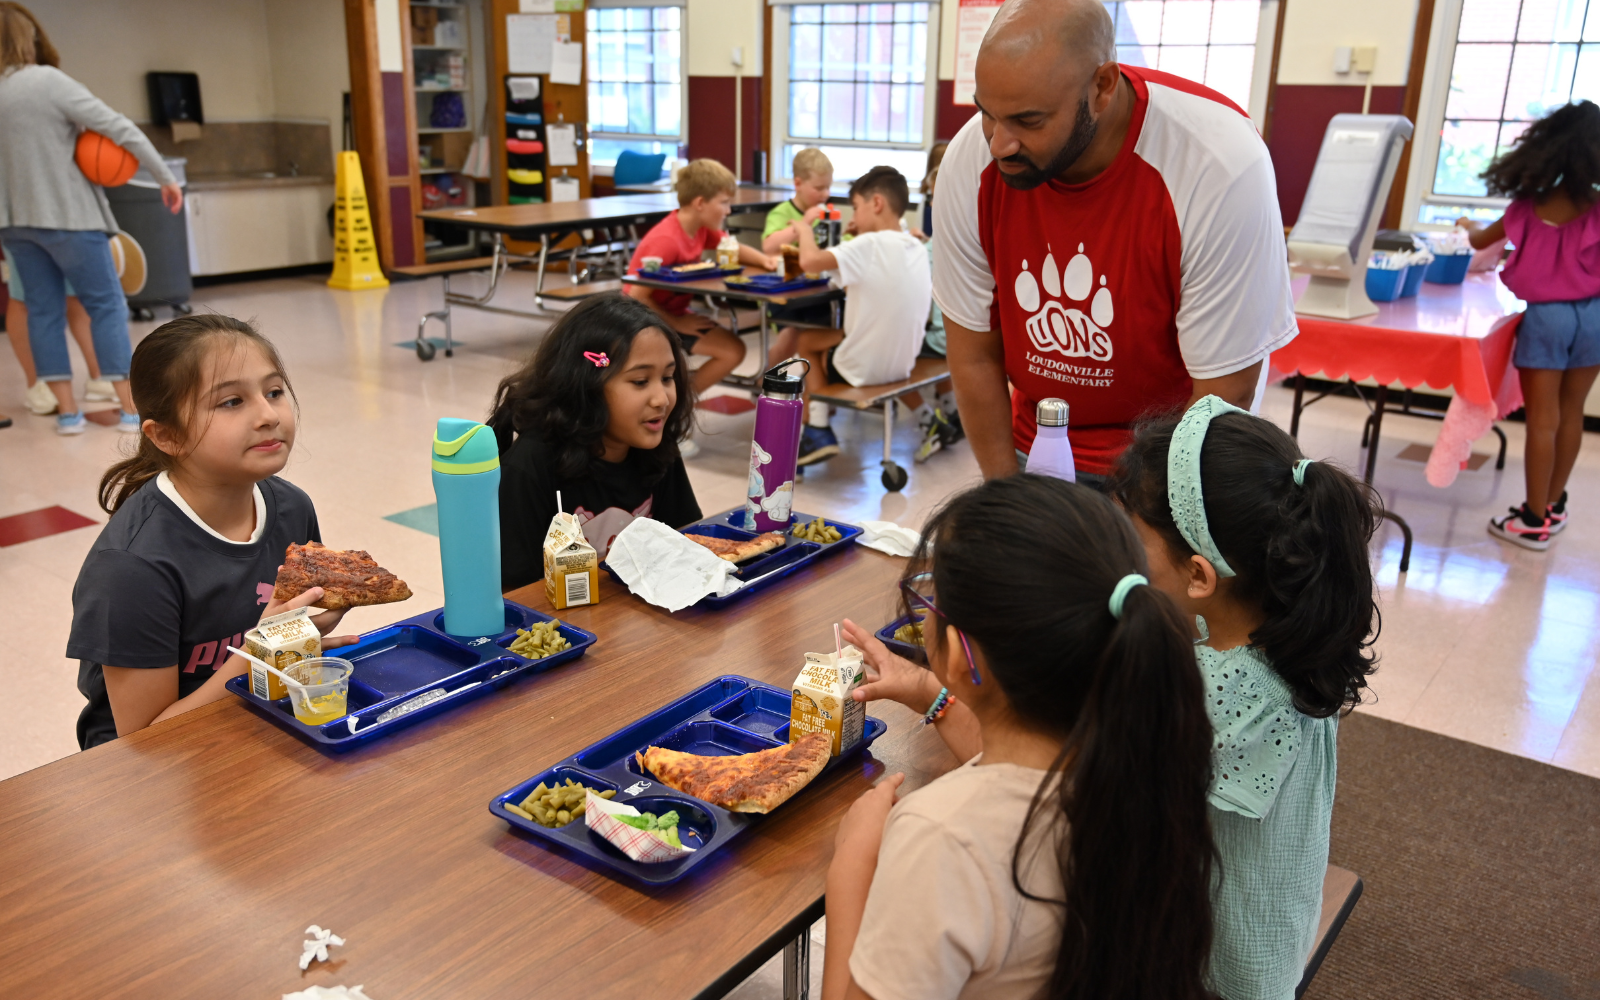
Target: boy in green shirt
813 176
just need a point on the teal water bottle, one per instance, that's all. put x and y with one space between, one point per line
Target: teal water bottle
466 480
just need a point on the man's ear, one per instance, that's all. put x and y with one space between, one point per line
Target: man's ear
1202 578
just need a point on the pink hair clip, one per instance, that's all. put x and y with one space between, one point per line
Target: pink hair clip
600 360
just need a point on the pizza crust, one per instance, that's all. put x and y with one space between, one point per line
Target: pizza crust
750 783
349 578
738 550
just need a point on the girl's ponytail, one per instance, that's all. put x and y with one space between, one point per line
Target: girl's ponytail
167 376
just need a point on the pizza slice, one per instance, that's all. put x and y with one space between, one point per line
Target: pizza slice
349 577
750 783
737 550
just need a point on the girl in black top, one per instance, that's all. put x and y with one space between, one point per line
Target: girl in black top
596 414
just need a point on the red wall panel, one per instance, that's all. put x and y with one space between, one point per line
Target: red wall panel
711 120
947 116
1300 115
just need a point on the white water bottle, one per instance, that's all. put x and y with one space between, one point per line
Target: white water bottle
1052 452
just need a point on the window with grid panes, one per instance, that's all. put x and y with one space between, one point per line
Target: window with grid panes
1208 41
858 72
636 94
1514 61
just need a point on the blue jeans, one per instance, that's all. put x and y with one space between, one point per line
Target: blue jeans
1559 335
47 258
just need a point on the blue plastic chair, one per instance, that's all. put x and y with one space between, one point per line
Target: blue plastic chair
637 168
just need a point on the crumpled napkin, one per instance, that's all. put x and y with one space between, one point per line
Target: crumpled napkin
886 536
667 569
317 947
328 993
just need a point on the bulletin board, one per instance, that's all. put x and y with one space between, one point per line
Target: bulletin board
972 22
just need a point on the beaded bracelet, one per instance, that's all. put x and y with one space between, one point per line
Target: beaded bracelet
940 706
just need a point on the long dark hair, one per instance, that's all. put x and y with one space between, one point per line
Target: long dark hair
1025 567
167 376
1559 152
1300 551
559 395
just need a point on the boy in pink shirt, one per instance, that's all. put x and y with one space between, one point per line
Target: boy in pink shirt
705 194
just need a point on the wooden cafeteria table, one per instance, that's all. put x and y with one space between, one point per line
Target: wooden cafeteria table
186 859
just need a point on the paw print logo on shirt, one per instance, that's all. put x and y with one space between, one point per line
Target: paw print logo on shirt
1066 329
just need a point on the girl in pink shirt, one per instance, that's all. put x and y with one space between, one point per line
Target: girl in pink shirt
1550 175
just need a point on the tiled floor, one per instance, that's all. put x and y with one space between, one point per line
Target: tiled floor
1481 641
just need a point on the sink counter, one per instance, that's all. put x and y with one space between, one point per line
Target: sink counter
230 182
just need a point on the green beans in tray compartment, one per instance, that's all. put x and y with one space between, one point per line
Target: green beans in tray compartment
540 641
556 805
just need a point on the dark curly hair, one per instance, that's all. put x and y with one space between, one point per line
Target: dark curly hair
559 395
1559 152
1299 551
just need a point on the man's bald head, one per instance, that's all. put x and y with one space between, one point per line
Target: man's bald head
1075 31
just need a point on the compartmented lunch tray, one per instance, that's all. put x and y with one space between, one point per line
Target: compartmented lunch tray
730 715
773 284
413 670
770 567
909 650
668 274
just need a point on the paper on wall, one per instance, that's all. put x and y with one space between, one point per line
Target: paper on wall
528 41
561 145
564 189
523 88
566 61
536 6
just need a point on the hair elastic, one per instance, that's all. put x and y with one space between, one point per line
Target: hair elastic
600 360
1184 495
1119 593
1300 471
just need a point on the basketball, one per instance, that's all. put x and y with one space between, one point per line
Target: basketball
104 162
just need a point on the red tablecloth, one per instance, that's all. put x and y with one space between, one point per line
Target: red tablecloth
1455 336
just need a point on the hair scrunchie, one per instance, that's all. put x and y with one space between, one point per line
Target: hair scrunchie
1119 593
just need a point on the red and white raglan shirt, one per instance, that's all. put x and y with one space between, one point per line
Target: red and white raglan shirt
1115 293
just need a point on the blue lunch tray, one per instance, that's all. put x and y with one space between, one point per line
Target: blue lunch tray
909 650
768 568
667 274
773 284
730 715
401 666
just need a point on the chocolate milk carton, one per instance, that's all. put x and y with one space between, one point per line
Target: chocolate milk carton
571 565
822 701
282 641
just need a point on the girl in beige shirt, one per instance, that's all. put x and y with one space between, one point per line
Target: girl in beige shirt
1070 856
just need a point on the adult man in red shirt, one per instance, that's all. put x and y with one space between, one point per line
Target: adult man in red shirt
1108 235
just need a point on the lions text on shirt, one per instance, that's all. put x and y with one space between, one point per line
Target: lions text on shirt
1112 294
888 278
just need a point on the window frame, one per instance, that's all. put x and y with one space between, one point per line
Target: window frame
780 88
677 141
1263 59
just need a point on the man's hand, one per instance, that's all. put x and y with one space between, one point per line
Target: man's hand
978 368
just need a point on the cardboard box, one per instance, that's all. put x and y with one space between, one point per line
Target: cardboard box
822 701
282 640
571 565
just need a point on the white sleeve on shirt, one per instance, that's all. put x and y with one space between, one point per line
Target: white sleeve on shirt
963 283
929 921
853 257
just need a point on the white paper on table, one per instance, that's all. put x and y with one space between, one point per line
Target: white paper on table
328 993
640 845
886 536
566 62
561 145
528 41
523 88
564 189
666 568
536 6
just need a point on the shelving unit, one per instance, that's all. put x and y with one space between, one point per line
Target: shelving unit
442 94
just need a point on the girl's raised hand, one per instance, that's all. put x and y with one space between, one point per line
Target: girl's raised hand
889 675
325 622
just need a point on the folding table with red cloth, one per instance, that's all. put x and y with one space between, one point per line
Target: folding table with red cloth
1447 336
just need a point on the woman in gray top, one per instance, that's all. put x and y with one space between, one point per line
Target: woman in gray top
54 223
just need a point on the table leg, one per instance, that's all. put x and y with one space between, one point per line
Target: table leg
1299 395
1405 546
1500 463
797 967
544 252
764 358
1376 423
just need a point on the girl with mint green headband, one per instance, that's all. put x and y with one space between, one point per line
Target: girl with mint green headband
1269 551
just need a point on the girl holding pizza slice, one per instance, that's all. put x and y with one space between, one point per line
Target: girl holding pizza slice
199 524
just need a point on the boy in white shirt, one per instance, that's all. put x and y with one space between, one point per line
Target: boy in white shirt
890 285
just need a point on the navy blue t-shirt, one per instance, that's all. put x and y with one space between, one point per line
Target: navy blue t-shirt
157 589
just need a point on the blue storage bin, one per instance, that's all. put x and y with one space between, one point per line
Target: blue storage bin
1384 286
1413 281
1450 270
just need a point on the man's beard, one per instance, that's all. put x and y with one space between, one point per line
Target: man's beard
1083 133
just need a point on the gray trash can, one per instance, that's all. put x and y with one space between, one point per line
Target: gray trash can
163 236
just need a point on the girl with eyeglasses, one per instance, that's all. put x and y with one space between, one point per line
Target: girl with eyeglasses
1070 857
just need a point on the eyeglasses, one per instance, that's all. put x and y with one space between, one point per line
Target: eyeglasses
913 588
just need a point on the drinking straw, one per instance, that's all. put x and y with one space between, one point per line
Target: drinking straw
838 646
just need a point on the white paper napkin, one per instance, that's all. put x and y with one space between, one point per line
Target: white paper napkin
328 993
667 569
886 536
640 845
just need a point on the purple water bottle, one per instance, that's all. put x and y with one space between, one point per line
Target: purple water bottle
775 448
1052 452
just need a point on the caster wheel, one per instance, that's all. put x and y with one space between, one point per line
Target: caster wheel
144 315
450 352
895 478
425 351
181 309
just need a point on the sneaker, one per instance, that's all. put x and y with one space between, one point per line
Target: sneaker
71 423
932 438
955 431
1521 528
100 390
817 444
688 449
129 423
1557 513
41 401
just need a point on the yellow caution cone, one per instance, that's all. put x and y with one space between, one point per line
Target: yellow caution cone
355 253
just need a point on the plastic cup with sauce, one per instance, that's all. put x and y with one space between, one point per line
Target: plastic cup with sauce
326 689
